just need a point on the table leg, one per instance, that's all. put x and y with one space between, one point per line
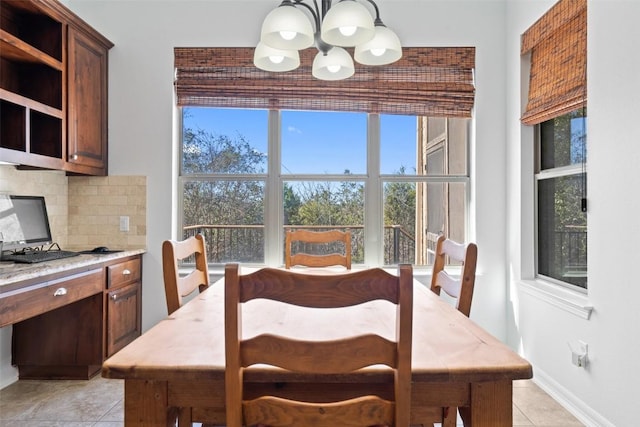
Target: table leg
491 405
145 404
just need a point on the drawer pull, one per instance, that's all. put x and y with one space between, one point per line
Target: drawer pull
60 292
126 272
114 297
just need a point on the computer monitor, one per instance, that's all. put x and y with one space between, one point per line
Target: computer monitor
23 222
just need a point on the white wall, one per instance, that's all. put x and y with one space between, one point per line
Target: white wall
603 394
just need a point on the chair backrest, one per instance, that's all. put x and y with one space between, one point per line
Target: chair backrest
177 287
317 238
460 288
318 358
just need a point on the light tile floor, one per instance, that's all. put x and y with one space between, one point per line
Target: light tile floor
99 402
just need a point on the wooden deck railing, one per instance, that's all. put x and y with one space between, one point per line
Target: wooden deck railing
245 243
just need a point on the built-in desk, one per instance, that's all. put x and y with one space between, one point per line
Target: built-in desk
69 315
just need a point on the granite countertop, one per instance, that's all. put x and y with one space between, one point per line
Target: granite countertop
11 272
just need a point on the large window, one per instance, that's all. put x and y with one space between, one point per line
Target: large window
562 199
394 181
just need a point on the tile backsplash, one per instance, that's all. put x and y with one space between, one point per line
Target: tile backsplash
96 205
85 212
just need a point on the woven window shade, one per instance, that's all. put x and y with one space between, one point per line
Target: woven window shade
558 76
426 81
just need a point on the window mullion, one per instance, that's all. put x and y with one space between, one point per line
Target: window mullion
273 215
373 217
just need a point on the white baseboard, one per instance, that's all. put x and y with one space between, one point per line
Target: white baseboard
584 413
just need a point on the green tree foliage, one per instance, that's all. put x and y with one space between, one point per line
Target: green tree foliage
400 204
291 205
223 201
204 152
328 203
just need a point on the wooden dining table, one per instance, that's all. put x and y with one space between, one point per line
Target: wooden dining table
178 365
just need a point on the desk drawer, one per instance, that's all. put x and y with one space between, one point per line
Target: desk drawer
124 273
27 302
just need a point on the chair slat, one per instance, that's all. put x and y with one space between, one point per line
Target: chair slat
448 284
308 260
320 291
358 412
317 237
454 250
193 280
323 357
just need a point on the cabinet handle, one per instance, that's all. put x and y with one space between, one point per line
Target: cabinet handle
126 272
60 292
114 297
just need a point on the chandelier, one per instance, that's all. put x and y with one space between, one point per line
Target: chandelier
347 23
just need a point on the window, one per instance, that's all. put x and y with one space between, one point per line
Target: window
394 181
561 199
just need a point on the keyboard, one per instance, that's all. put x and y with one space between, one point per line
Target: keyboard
38 256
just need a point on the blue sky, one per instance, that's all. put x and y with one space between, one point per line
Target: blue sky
317 142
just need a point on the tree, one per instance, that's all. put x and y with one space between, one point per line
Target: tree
204 152
292 205
329 203
400 204
222 201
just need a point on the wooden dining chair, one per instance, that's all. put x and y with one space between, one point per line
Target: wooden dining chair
317 239
460 288
177 286
318 360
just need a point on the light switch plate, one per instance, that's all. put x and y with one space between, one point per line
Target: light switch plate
124 223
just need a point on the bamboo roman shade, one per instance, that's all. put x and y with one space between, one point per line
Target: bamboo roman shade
558 76
425 81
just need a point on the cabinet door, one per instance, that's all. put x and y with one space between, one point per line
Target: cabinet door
87 105
123 316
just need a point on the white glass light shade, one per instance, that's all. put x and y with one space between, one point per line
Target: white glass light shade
347 23
287 27
335 65
384 48
271 59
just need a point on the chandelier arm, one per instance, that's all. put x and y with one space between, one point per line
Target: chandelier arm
377 21
317 17
326 5
314 13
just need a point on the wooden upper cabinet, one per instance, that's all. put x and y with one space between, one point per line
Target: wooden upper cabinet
87 105
53 88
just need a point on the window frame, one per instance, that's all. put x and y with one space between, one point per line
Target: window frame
273 179
550 173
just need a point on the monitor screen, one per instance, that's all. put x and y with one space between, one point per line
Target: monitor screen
23 222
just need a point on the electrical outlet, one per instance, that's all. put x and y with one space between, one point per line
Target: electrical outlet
124 223
584 349
579 353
